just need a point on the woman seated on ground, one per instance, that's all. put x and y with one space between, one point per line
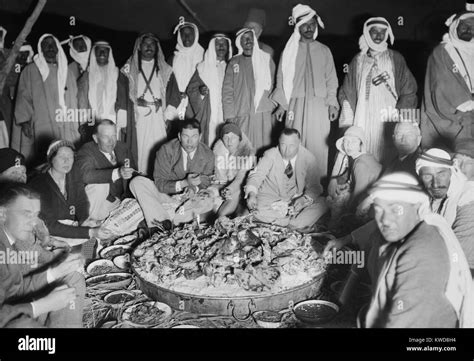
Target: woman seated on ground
64 204
234 158
353 174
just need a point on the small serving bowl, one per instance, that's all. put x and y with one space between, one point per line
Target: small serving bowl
315 312
268 319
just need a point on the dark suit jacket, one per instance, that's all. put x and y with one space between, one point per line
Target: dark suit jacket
55 207
169 167
15 289
95 168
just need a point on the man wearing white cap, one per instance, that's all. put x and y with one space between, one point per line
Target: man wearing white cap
47 91
448 103
188 54
409 247
378 82
246 91
80 50
451 196
307 85
205 88
98 88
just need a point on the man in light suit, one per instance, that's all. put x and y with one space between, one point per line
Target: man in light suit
58 291
106 166
183 167
283 189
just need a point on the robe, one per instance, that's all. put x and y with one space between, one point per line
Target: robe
314 89
445 90
38 102
85 106
201 106
372 111
238 102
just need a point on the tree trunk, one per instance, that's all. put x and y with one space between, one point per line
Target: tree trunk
19 42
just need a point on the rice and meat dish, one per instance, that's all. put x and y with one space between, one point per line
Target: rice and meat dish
232 258
145 314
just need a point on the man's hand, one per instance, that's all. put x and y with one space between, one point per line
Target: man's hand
299 204
337 243
252 201
101 233
193 179
333 113
27 129
71 264
56 300
204 90
41 232
279 113
126 172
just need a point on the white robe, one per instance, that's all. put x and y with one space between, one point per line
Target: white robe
151 128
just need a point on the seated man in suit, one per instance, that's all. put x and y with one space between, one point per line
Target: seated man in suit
105 165
58 290
283 189
183 168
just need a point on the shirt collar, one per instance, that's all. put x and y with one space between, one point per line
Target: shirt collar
9 238
292 161
190 154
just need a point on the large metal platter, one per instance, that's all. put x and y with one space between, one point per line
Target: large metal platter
239 307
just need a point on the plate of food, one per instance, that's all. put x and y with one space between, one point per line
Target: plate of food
112 251
100 267
268 319
315 311
127 240
119 297
122 262
146 314
111 281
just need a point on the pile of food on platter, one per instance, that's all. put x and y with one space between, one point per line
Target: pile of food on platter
232 258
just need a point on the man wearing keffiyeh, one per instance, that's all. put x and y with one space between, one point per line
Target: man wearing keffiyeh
378 81
47 91
98 88
248 81
307 85
80 50
451 196
188 54
205 88
409 246
153 98
448 110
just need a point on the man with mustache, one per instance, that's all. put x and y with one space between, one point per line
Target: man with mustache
98 88
205 87
448 102
451 196
307 86
47 91
79 49
248 81
378 81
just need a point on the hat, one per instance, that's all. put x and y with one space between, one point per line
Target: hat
10 158
470 5
464 146
353 131
399 186
434 157
54 146
256 16
231 128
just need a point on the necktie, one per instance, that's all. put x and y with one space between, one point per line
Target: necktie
113 159
188 162
289 170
